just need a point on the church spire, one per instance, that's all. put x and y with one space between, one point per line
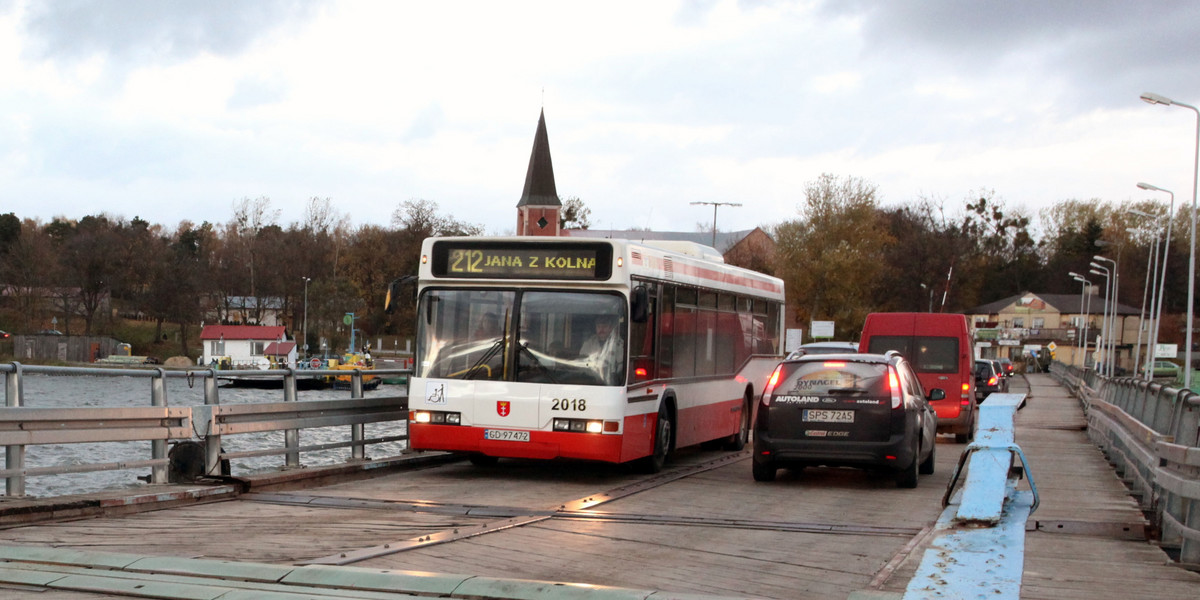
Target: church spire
538 209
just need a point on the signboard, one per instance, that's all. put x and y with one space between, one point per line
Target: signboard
1052 346
793 339
822 329
1166 351
1009 342
514 260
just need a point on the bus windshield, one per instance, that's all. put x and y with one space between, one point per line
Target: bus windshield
535 336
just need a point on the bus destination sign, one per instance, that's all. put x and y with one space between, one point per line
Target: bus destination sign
586 261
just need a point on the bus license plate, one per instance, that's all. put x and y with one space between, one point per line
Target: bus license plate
506 435
814 415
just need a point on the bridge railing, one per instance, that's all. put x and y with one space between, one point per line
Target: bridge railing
1151 434
159 423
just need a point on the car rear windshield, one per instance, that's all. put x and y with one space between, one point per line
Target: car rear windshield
823 378
927 354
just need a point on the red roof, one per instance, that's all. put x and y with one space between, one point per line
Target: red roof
279 348
241 332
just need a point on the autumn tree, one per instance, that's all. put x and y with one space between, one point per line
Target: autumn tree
575 215
831 257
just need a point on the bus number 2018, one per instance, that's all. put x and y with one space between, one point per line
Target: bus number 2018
577 404
467 261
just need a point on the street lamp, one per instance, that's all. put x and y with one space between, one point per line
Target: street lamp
1105 331
1147 289
305 330
1112 312
1162 281
715 205
1187 352
1085 284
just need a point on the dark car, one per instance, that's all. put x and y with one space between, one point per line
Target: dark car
988 379
1009 369
852 410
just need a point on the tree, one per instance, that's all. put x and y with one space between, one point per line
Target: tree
575 215
831 257
927 245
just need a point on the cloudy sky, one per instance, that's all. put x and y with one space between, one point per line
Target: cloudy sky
172 110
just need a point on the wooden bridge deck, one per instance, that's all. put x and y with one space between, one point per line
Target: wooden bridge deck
702 527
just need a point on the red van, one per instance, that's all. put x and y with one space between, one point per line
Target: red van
938 346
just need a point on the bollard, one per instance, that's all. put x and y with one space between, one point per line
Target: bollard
291 437
212 440
14 456
158 448
358 451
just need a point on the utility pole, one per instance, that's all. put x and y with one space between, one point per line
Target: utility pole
715 205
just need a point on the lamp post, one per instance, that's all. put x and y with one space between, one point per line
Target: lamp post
715 205
1084 285
1147 289
1112 312
1162 281
1105 332
305 329
1187 352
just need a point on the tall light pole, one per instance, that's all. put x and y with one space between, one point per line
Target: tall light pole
1112 312
715 205
305 330
1105 331
1162 281
1147 288
1187 352
1084 285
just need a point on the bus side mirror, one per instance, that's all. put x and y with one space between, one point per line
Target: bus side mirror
395 292
639 304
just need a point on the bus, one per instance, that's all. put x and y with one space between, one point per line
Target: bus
598 349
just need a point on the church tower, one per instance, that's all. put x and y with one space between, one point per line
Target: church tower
539 207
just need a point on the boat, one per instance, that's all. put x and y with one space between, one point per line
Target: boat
351 361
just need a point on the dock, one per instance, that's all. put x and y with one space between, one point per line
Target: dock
431 526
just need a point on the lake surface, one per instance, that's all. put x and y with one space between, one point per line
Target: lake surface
72 391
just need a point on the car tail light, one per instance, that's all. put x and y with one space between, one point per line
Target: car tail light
992 380
771 383
894 387
966 390
835 365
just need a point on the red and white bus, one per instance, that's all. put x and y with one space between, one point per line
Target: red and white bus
606 350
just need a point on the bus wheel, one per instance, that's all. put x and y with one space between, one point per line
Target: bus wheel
737 441
483 460
663 430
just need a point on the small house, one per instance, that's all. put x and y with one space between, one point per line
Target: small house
247 346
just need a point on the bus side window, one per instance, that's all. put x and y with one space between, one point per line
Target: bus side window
641 343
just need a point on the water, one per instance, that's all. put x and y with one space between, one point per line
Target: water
70 391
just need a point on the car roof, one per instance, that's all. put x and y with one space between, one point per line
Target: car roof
879 359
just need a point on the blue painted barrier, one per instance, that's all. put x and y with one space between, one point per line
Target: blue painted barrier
978 545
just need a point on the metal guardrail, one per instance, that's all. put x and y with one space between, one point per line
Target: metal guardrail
1151 433
159 423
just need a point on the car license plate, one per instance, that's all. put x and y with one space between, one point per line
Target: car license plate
506 435
815 415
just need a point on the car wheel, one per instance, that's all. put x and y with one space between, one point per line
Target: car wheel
927 465
663 430
907 477
738 441
763 471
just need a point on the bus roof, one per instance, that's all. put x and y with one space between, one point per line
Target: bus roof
700 267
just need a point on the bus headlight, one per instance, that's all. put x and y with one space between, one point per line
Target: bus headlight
435 417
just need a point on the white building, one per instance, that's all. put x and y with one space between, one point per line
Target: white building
247 346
